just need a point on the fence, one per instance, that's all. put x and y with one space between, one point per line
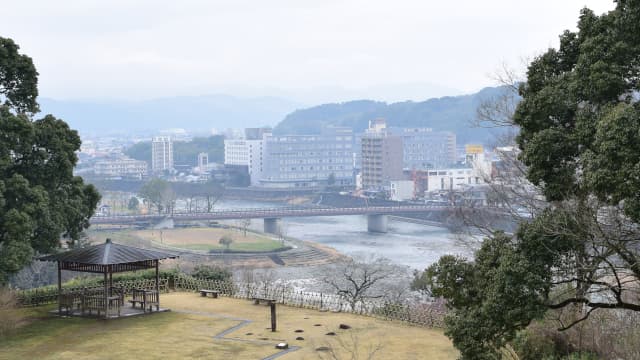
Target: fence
49 295
419 314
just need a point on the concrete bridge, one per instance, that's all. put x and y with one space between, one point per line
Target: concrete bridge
377 216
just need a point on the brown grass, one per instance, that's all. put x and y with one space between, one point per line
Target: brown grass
189 330
208 237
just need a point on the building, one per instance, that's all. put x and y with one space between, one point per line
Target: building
203 161
424 148
381 156
122 168
161 154
248 152
309 160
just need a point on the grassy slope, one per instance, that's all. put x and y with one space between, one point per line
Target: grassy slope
178 334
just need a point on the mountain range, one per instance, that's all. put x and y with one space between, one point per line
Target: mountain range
452 113
203 113
200 113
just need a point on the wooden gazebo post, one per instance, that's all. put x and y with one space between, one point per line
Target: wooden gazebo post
157 280
104 294
59 289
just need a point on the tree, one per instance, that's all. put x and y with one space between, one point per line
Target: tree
40 199
159 194
579 122
133 203
226 241
331 180
359 281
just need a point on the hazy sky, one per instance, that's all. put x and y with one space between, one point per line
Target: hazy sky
308 50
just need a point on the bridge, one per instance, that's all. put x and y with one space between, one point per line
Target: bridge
377 216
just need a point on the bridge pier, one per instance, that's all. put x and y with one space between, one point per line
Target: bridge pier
272 225
377 223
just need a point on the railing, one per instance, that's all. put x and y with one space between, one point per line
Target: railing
275 212
427 315
49 295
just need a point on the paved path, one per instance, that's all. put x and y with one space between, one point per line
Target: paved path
243 323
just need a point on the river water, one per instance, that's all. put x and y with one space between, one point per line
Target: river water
413 245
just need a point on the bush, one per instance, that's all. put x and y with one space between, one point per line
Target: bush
211 272
10 315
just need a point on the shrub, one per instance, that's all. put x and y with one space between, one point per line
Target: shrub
211 272
10 315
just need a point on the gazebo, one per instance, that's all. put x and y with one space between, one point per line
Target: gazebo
107 259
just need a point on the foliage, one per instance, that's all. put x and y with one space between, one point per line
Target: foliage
226 241
211 272
447 113
18 79
9 314
40 199
159 194
579 133
133 203
185 152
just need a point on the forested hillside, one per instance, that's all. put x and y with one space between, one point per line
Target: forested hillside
184 152
454 113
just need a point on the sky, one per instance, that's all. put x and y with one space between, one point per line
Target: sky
308 51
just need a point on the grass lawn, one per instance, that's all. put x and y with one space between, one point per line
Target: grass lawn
207 239
189 332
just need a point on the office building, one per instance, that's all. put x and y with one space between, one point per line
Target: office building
121 168
309 160
161 154
381 156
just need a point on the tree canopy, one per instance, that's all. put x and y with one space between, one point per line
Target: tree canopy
579 122
40 199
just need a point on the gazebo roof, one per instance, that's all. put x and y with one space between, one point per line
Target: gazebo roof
107 254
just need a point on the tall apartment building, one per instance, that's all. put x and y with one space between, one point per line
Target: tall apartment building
309 160
424 148
248 152
161 154
121 168
203 160
381 156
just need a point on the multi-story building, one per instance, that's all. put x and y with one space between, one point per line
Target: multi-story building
309 160
161 154
121 168
248 152
380 157
203 160
424 148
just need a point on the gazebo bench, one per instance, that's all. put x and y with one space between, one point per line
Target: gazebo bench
146 299
205 292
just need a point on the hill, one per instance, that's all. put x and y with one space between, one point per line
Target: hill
188 112
454 113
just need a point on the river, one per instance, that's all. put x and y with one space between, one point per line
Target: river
413 245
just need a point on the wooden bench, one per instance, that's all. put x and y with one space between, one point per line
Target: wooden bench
205 292
257 300
146 299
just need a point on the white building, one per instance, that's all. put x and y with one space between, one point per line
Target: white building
161 154
122 168
203 161
247 152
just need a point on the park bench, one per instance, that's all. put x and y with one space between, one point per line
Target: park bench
205 292
146 299
257 300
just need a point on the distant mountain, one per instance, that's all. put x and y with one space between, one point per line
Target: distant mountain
188 112
453 113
